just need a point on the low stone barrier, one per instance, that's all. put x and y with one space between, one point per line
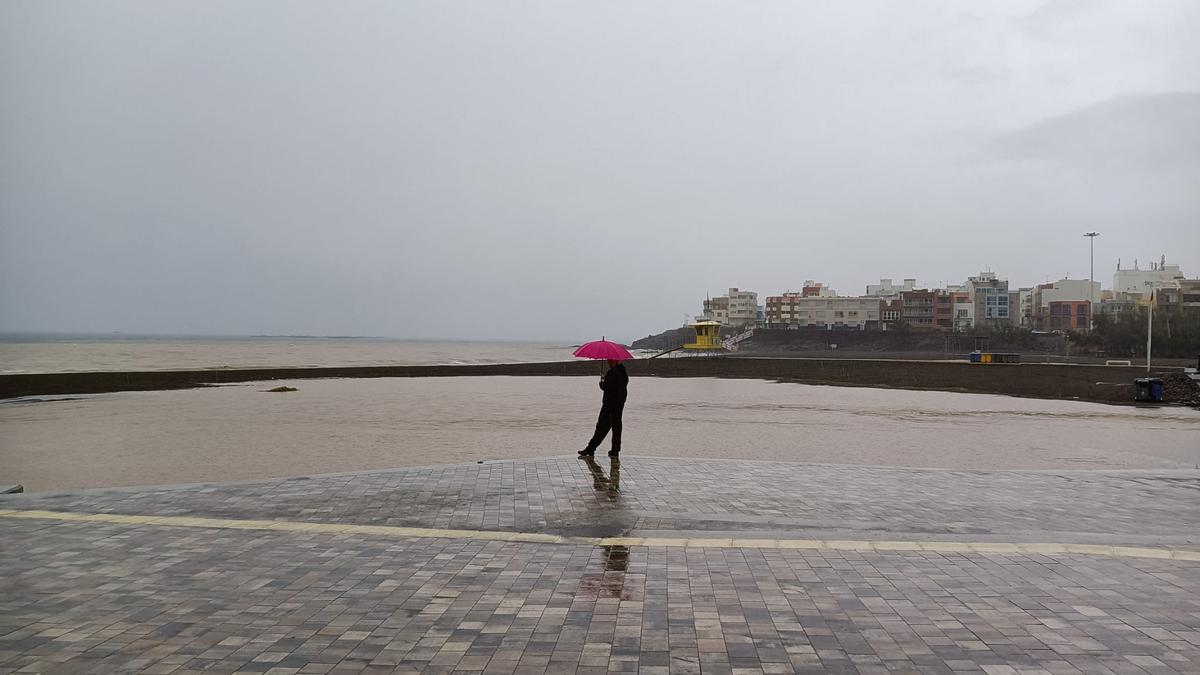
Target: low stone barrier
1087 383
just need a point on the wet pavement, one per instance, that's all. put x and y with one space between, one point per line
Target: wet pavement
226 577
669 497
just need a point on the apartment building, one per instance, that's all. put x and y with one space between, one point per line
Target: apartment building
964 311
782 310
743 307
1025 305
816 289
795 310
994 304
1136 280
1066 315
736 308
917 309
717 309
890 312
943 310
1114 303
886 289
1182 294
1065 304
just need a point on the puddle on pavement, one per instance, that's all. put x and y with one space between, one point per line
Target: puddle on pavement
606 486
611 582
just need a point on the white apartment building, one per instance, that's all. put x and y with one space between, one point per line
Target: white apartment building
886 289
1137 280
736 308
743 307
1067 290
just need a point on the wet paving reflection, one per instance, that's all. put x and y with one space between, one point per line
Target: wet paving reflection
606 486
611 582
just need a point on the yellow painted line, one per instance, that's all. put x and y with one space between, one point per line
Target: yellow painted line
283 526
993 548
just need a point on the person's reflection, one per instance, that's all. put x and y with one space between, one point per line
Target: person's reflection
611 582
609 485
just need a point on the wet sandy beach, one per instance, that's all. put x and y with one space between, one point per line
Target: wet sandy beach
239 432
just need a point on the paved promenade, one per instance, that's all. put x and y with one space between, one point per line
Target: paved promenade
652 565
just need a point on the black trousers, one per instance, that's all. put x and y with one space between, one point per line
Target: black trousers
610 418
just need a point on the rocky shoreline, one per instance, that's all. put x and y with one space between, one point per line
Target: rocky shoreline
1099 384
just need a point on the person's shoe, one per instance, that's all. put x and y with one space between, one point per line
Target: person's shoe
614 453
587 453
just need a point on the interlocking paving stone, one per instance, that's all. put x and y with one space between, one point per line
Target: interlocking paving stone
713 497
143 597
83 597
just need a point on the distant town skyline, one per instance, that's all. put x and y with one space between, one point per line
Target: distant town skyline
566 170
1102 275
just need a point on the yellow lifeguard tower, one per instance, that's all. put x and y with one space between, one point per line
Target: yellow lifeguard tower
708 337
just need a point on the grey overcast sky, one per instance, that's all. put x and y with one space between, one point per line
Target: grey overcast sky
561 170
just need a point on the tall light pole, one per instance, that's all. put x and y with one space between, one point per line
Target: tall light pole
1149 323
1091 278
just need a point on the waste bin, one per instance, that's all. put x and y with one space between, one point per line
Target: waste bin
1147 390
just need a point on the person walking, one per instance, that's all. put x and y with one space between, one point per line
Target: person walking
615 384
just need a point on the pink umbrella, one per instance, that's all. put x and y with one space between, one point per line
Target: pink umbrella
603 349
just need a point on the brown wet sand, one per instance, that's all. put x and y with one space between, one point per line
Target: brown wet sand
238 432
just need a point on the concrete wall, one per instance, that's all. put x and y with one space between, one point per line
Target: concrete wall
1088 383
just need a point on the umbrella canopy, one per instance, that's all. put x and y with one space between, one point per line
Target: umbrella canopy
603 349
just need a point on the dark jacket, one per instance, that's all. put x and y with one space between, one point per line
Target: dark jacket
615 384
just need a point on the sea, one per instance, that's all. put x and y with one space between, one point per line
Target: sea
58 353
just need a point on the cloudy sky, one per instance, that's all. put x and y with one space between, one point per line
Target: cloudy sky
558 170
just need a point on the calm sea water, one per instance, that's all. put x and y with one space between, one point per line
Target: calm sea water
57 354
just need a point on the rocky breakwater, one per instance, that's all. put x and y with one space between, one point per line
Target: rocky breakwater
1179 388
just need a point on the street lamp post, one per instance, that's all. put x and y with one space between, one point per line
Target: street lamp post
1149 324
1091 278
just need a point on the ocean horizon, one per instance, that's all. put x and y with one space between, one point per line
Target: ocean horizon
107 352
